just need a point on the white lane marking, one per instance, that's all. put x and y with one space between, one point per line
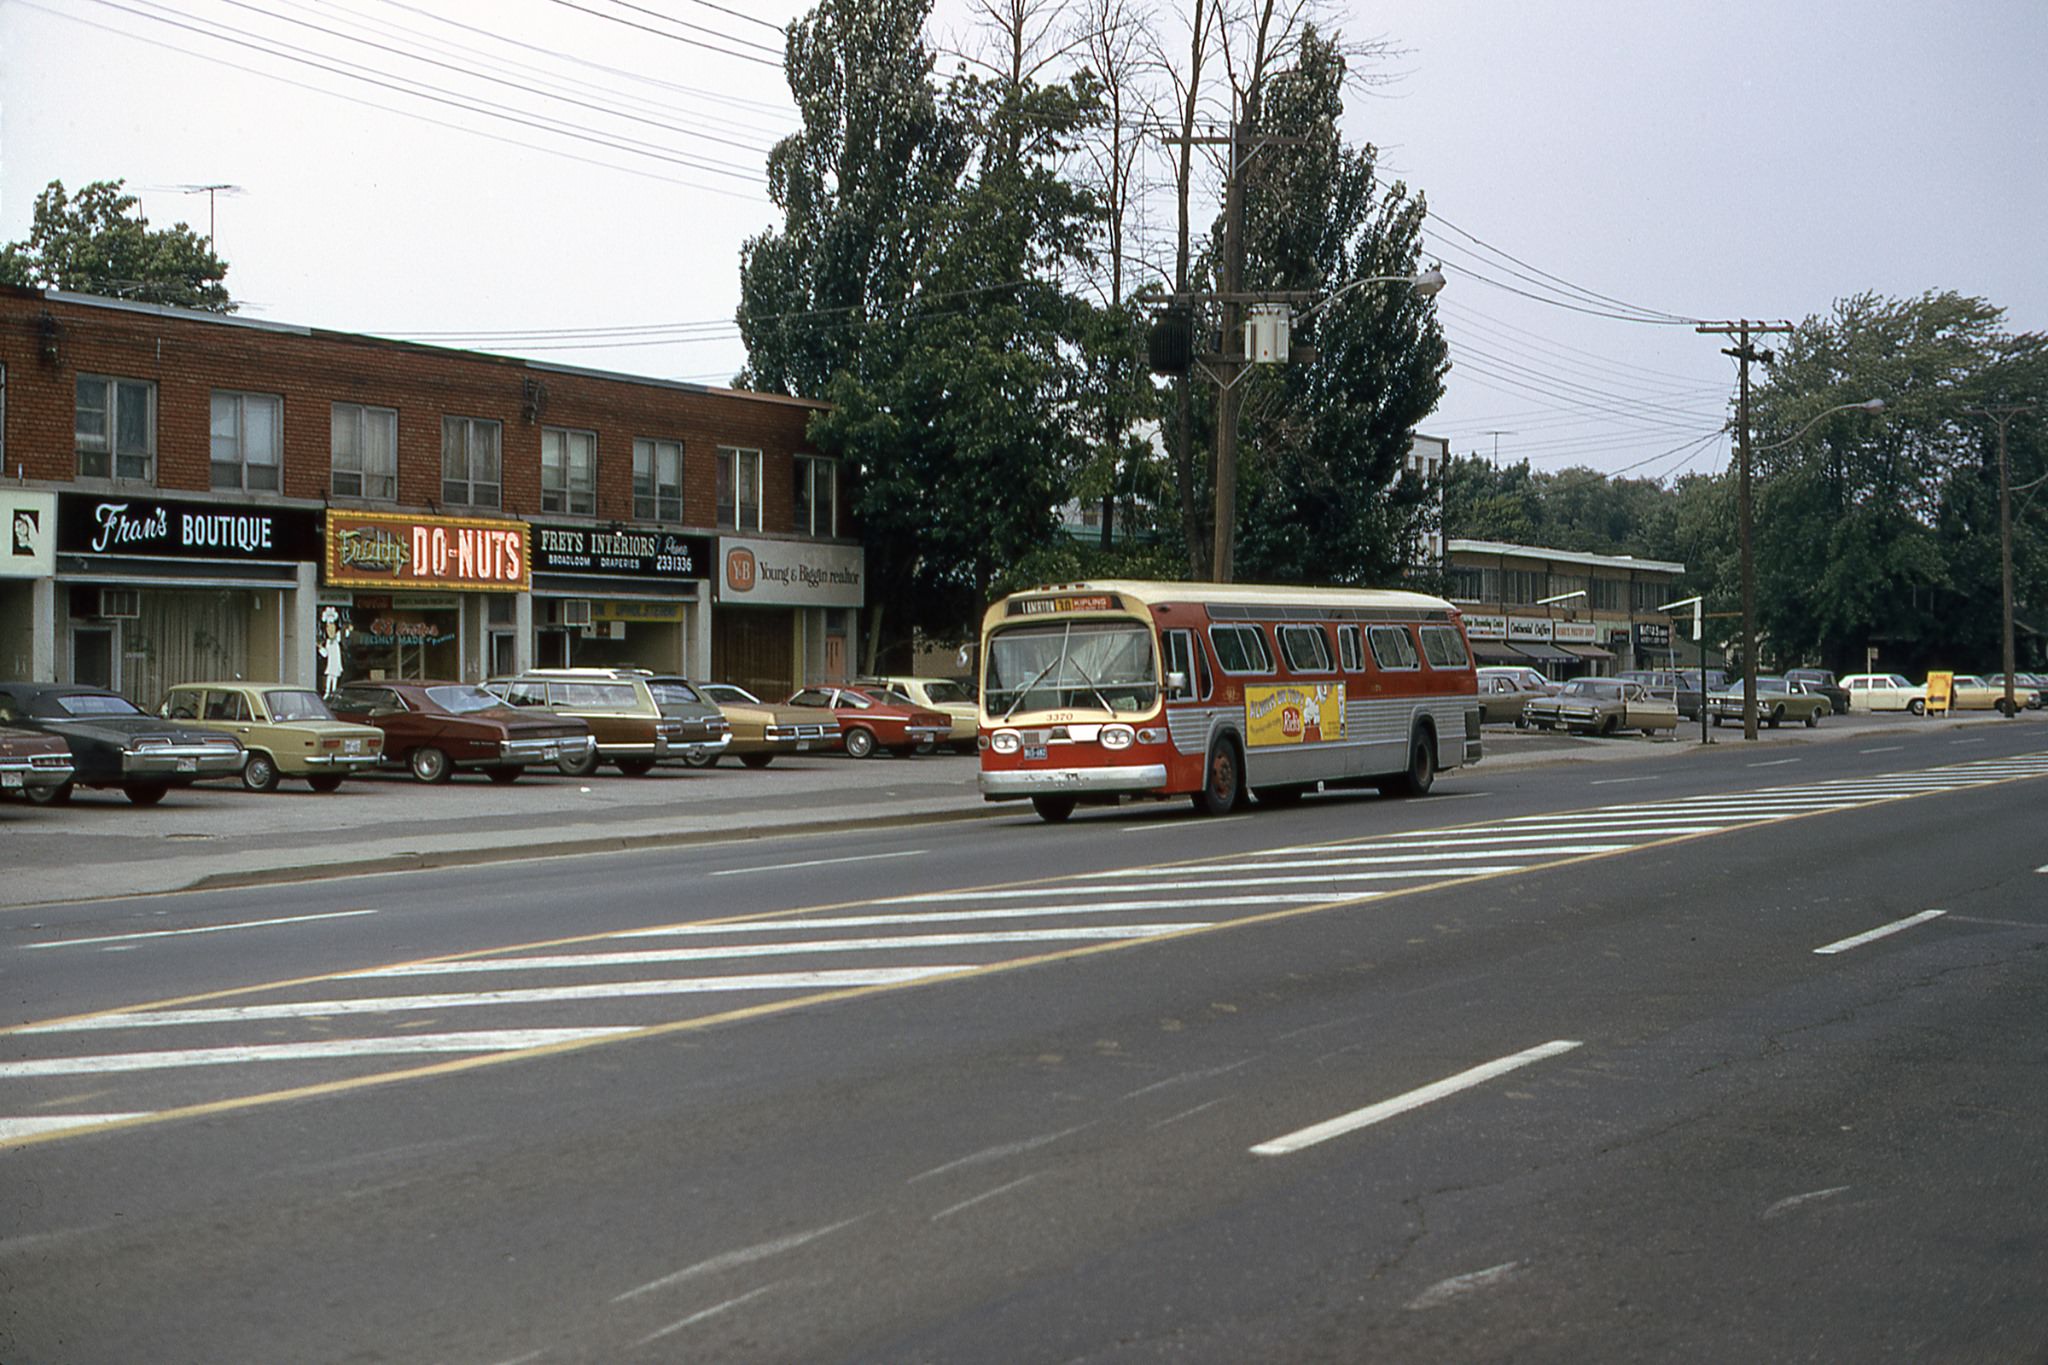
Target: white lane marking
1882 931
989 1194
1413 1099
1772 763
1526 834
732 1259
1443 1291
944 916
1978 740
1158 826
532 995
494 1040
1883 749
997 1153
20 1128
1477 848
742 950
206 929
713 1311
1786 1205
820 862
1075 890
1185 1077
1619 781
2043 868
1188 1113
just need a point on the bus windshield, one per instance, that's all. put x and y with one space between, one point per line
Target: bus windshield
1106 666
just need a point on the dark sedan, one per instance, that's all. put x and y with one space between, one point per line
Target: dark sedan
31 763
435 728
115 743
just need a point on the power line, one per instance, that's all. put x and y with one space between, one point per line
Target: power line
672 37
1558 279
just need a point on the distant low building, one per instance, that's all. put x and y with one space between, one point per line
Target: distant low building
1564 611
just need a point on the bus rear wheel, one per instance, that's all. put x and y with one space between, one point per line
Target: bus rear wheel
1053 809
1421 773
1223 779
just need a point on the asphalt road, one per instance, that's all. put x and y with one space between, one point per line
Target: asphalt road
1547 1066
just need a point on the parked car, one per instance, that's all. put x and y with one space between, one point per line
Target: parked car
1684 685
706 731
115 743
1603 706
288 731
32 764
1885 692
632 727
760 731
1777 701
1526 677
870 720
948 695
2026 690
1822 681
436 728
1969 692
1502 697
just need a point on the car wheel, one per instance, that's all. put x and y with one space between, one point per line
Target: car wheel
1717 720
756 760
701 759
50 796
259 774
1223 778
1053 809
1421 774
326 783
1609 726
636 767
430 765
1777 716
860 742
1812 719
146 793
2006 708
1916 707
581 766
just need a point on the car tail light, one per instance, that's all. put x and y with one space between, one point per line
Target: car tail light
330 744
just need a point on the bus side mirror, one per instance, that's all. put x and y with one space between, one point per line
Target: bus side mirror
1176 681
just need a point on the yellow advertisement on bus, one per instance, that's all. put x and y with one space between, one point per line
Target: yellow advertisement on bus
1293 713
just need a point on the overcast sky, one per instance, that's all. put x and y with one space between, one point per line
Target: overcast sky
1743 158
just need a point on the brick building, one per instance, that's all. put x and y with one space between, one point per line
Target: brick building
1567 612
189 494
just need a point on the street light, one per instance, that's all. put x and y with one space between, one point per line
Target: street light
1748 552
1427 283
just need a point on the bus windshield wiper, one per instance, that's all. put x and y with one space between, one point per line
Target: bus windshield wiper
1036 678
1107 704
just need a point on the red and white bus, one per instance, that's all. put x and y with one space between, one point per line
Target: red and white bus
1096 691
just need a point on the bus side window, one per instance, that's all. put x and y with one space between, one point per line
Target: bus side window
1180 659
1350 649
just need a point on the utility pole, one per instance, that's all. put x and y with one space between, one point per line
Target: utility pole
1745 355
2003 414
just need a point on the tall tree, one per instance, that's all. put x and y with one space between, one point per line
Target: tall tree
99 242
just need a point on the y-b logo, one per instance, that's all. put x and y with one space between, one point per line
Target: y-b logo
739 570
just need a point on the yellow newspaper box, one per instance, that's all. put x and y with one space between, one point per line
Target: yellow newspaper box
1941 690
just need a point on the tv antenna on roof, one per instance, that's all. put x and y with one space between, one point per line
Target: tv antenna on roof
209 191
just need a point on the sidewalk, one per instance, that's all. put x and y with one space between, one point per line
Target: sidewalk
220 836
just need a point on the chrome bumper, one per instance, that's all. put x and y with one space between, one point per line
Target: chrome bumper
536 750
705 748
20 774
348 762
1144 777
182 760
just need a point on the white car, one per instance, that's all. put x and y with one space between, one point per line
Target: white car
1885 692
947 695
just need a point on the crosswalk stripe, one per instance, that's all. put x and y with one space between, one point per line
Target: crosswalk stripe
940 897
492 1040
993 912
1478 851
10 1129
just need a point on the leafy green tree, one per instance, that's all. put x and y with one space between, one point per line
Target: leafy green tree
1324 500
98 242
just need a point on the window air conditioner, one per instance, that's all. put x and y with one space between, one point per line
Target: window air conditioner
120 604
575 611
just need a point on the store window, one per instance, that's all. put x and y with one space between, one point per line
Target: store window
247 436
739 488
470 462
817 496
658 480
365 452
568 471
114 428
395 637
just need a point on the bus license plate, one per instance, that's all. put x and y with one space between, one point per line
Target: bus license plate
1032 751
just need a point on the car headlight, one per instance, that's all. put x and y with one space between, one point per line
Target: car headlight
1005 741
1116 736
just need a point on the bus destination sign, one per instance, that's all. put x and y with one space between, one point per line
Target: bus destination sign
1046 606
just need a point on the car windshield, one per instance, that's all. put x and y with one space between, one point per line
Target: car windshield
669 693
727 692
1773 685
462 698
947 693
1592 687
1106 666
97 704
296 705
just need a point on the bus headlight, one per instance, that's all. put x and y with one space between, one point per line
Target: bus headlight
1116 736
1005 741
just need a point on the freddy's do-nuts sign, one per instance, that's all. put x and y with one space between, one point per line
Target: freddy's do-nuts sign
393 550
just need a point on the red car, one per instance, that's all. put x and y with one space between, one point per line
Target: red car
871 718
435 728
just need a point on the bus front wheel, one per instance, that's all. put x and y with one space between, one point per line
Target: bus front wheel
1223 779
1053 809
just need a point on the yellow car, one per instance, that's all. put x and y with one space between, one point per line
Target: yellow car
953 698
288 731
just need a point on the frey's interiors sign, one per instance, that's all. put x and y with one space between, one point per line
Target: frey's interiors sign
632 552
393 550
790 573
91 524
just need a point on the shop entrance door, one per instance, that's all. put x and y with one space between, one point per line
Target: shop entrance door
93 657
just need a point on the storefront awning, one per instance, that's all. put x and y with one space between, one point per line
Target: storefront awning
1588 651
1497 652
1536 649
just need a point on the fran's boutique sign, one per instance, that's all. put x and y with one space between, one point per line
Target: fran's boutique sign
630 553
89 524
791 573
394 550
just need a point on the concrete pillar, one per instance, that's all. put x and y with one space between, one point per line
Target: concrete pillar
43 642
